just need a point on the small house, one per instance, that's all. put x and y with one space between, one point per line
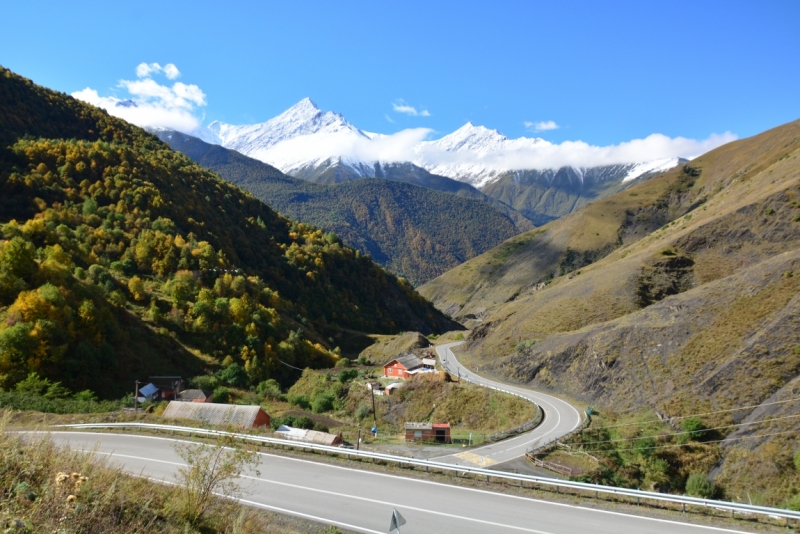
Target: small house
402 367
168 386
429 362
430 432
195 395
212 413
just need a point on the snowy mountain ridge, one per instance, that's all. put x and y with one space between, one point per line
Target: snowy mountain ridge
306 141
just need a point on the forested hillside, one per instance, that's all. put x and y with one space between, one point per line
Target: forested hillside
676 297
415 232
123 258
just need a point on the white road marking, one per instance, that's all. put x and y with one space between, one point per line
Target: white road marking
420 481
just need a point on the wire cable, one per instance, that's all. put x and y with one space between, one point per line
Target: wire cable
706 413
685 432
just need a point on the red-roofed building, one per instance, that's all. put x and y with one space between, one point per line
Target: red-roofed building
400 367
433 432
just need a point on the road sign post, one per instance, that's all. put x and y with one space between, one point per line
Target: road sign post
397 521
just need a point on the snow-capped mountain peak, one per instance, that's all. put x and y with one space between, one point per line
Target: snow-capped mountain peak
304 118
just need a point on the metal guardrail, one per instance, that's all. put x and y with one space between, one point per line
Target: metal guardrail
478 471
553 442
530 425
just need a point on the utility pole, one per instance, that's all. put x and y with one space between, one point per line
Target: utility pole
358 443
374 413
136 398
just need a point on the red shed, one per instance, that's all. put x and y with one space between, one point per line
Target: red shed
437 432
399 367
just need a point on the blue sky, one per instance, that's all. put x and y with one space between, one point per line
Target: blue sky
603 72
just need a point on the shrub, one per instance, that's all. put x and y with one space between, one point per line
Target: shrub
694 427
301 401
234 375
296 421
323 402
343 362
209 471
698 485
363 410
794 503
223 395
270 389
205 382
348 375
459 336
797 460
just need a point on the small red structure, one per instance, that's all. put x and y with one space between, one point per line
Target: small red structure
400 367
434 432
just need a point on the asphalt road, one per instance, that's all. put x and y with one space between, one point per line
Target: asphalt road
362 500
560 418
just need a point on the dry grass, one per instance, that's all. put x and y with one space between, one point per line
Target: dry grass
46 488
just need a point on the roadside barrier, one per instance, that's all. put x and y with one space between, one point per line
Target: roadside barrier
459 470
526 427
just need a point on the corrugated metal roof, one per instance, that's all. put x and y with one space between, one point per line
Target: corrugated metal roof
409 361
418 426
191 394
213 413
309 436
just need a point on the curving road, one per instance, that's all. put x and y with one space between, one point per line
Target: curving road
360 500
560 418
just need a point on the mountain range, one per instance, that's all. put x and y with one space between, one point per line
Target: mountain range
307 142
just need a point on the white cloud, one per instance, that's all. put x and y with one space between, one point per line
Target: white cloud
151 104
520 155
144 70
402 107
517 154
388 118
542 126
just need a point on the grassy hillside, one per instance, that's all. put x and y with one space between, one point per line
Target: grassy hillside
123 258
417 230
679 295
429 397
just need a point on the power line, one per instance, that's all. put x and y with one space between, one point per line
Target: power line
687 431
706 413
292 366
703 443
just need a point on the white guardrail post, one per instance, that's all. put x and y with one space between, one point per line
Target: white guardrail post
478 471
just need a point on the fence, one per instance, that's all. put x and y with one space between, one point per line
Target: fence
596 489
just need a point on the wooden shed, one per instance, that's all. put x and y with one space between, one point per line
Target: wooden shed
218 414
432 432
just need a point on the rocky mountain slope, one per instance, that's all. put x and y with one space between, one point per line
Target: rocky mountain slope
415 232
679 294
